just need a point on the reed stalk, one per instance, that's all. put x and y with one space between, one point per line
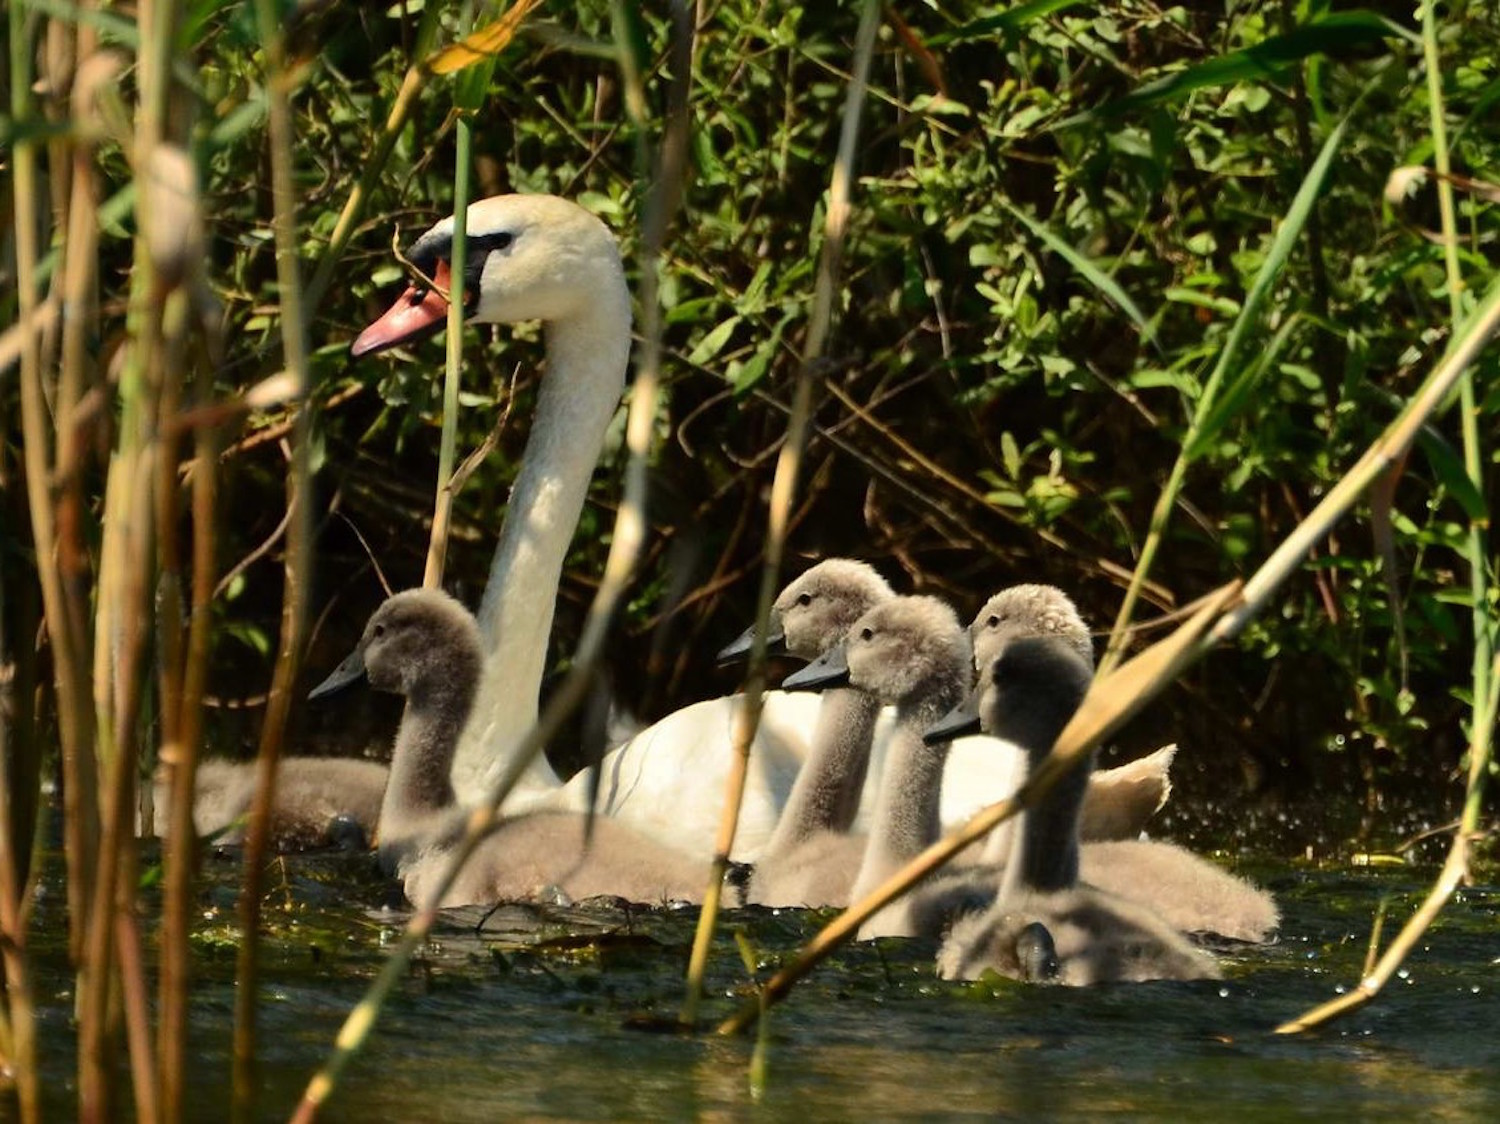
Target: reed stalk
1468 338
783 494
181 852
181 697
124 608
65 628
18 1052
625 546
1477 530
1207 414
17 1011
297 566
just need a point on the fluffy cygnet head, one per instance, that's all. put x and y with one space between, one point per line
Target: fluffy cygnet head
905 647
815 611
1032 690
819 608
417 641
1028 610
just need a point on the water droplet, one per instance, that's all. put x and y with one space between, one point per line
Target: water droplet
1402 973
1224 992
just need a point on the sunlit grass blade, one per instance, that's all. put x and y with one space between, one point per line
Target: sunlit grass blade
784 488
1086 268
1268 60
482 45
1197 436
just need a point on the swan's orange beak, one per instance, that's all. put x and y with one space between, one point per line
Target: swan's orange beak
417 313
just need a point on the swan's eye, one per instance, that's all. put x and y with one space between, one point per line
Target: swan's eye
379 631
804 599
484 243
993 622
867 634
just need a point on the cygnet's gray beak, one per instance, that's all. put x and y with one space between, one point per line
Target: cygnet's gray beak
963 719
738 648
352 668
831 669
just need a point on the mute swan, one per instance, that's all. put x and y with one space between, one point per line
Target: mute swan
1044 925
538 257
320 802
424 645
912 653
1187 891
1139 788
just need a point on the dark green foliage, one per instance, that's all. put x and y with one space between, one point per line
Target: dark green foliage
1062 208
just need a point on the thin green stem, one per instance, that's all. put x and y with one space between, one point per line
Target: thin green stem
625 547
1208 398
298 560
1478 531
442 507
412 85
1468 339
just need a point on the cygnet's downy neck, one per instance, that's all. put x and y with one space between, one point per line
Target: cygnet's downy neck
908 805
825 796
419 789
1048 849
587 358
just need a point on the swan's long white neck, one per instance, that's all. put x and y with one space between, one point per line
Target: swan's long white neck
587 356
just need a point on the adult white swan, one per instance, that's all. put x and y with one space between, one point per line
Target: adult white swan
538 257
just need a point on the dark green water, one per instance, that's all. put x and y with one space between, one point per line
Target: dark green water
528 1019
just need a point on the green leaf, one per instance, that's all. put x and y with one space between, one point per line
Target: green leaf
1238 391
1448 466
1005 23
1268 60
1086 268
1011 455
713 343
1211 419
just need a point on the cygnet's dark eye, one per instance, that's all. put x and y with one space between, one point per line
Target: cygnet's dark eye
993 622
379 631
867 634
804 599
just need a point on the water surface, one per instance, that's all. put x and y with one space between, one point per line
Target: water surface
530 1017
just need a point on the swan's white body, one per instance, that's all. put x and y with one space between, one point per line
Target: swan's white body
668 781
